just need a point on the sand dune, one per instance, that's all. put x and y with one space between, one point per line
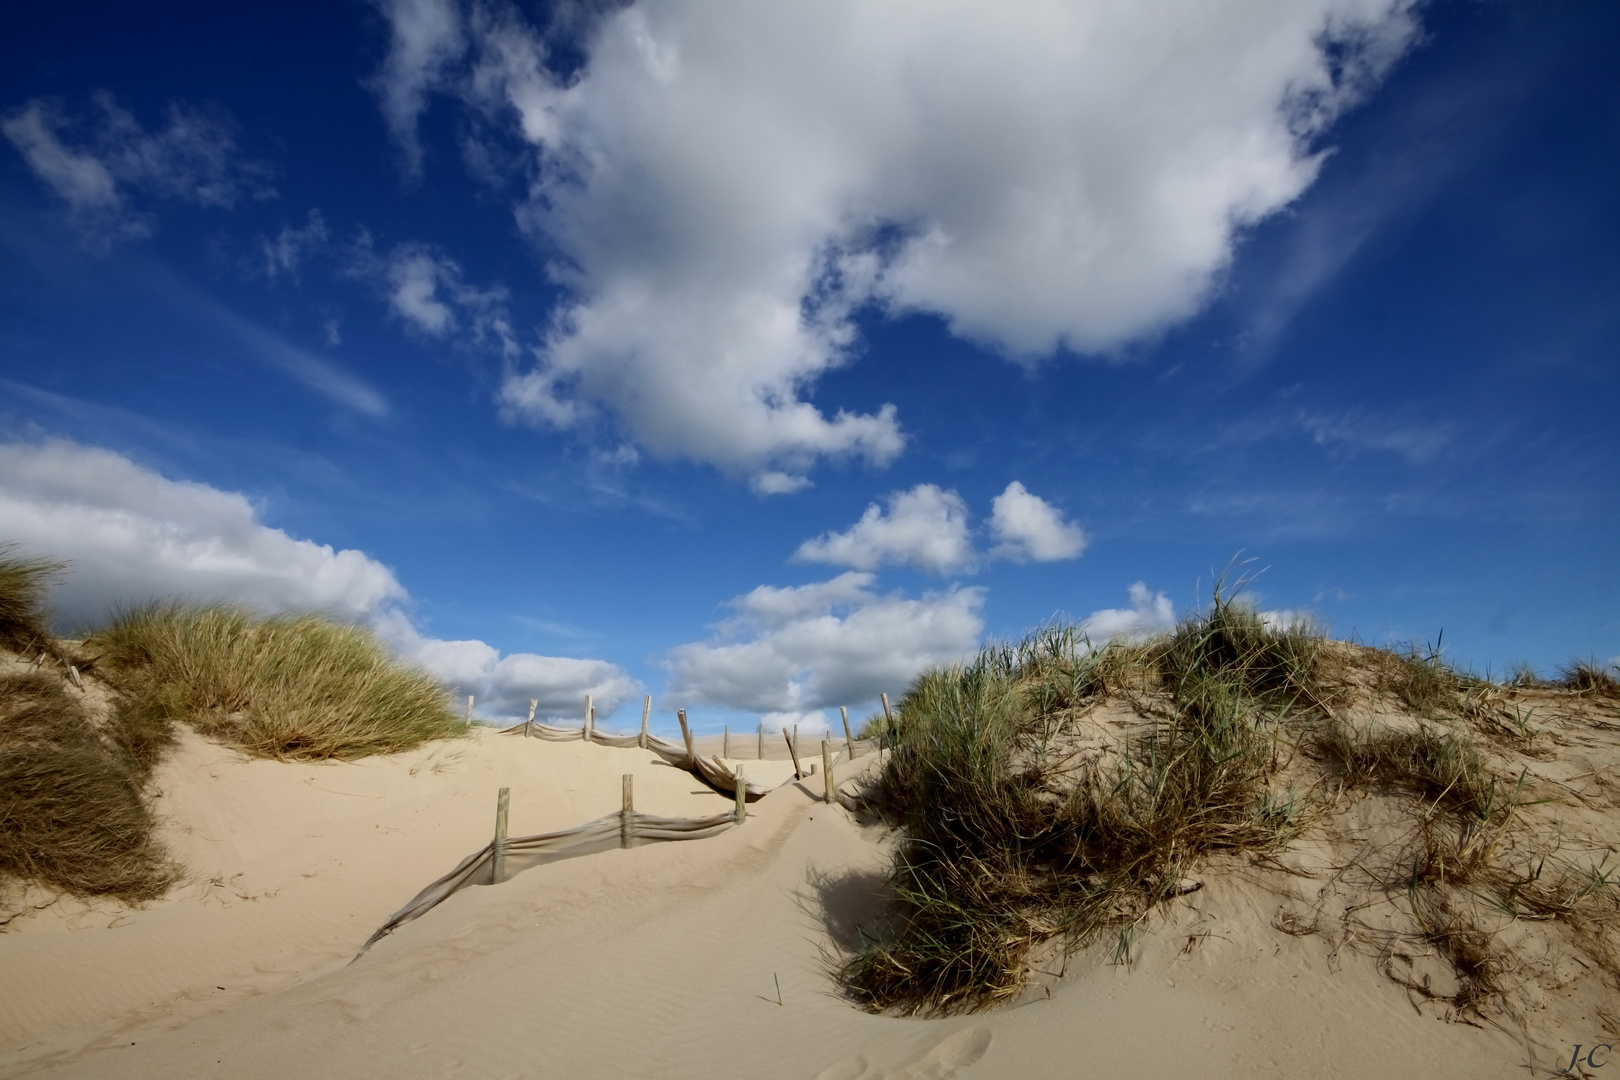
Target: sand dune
289 867
662 961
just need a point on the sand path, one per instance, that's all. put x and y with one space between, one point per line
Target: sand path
664 961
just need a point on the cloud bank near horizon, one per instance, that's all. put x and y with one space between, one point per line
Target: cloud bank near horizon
724 188
790 652
134 536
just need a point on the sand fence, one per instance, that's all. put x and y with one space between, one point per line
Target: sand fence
504 856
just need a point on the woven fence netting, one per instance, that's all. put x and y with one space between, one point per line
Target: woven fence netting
712 770
620 829
624 828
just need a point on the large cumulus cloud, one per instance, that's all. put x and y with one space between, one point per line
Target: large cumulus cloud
724 186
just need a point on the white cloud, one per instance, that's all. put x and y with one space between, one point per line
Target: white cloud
134 536
726 185
1287 619
80 179
413 278
192 158
926 527
1150 613
814 722
324 376
1027 527
287 251
503 686
425 36
1418 442
429 291
800 649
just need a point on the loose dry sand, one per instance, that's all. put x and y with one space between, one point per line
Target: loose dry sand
661 961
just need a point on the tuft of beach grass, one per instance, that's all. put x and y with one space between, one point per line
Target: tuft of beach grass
291 687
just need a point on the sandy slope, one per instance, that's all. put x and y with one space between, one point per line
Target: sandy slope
290 867
663 961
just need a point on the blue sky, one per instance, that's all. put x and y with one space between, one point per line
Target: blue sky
755 356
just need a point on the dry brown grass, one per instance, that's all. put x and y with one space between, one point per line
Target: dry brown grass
288 687
71 813
24 584
1590 677
1011 839
1019 835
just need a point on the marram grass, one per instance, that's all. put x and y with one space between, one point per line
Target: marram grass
1010 841
23 585
71 813
287 687
1017 832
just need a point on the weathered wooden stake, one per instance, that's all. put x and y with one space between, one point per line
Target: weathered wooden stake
761 753
725 742
849 741
742 794
646 712
497 863
686 735
793 752
889 717
590 718
469 708
826 766
627 816
534 703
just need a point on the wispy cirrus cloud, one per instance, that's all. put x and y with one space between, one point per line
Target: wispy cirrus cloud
106 168
286 251
325 376
1403 431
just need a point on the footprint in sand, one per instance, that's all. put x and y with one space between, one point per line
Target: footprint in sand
939 1063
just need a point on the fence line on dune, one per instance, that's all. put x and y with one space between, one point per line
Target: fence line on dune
710 768
503 856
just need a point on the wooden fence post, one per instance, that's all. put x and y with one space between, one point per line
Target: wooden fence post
826 767
793 752
627 816
889 717
742 794
686 735
725 742
497 863
590 718
534 703
469 708
761 752
849 742
646 711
